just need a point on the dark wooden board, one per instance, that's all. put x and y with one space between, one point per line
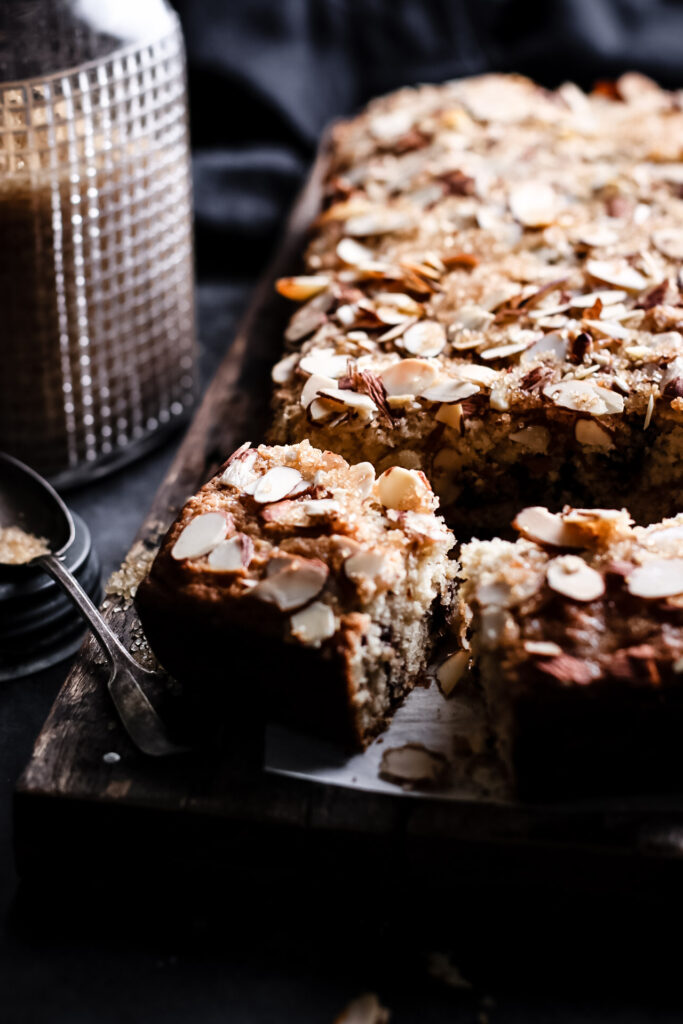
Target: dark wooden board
219 804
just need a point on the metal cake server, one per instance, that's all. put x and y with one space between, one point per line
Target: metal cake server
28 501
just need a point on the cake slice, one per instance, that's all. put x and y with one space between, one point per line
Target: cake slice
307 580
577 635
492 294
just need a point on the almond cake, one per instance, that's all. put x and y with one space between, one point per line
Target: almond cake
492 295
309 580
576 630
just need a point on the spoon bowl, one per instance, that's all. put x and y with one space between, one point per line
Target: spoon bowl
28 501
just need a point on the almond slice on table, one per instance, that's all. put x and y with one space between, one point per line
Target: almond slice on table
450 672
570 576
276 484
200 536
538 524
409 377
232 555
660 578
302 287
313 624
296 583
425 338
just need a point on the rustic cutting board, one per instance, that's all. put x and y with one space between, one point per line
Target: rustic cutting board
246 785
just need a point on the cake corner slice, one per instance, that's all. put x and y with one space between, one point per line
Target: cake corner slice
316 585
576 629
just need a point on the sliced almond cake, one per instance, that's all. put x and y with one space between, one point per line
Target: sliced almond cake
577 635
492 294
311 580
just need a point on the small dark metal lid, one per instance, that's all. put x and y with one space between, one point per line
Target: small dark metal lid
39 626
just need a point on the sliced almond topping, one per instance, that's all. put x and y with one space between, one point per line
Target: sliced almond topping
321 410
381 221
585 396
353 253
484 375
303 287
324 362
473 318
305 321
362 478
450 672
404 489
534 204
597 235
313 624
542 648
669 241
449 392
283 371
549 344
239 472
365 565
313 385
295 583
409 377
350 399
503 351
570 576
425 338
538 524
232 555
200 536
617 272
276 484
608 298
661 578
589 432
607 329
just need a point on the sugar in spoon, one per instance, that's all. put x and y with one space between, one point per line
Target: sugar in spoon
29 502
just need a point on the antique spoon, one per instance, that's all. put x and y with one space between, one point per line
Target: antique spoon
28 501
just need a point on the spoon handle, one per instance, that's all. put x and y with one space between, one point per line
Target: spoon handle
137 714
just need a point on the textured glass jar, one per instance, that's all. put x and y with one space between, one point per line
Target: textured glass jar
97 340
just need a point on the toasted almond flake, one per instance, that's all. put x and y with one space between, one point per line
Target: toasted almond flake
607 329
669 241
353 253
584 396
608 298
382 221
313 624
397 331
538 524
400 301
550 344
283 371
588 432
200 536
451 415
473 318
409 377
324 362
315 383
293 585
503 351
276 484
484 375
305 321
229 555
365 565
302 287
321 507
363 478
597 235
239 472
449 392
425 338
533 203
404 489
450 672
542 648
638 353
346 315
570 576
617 272
660 578
650 410
535 438
321 409
350 400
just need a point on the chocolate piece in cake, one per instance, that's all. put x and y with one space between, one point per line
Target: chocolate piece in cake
307 580
577 634
500 305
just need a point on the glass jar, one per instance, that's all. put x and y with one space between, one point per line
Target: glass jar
97 336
